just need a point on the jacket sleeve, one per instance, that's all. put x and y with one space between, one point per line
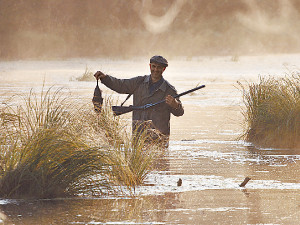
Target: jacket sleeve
178 111
122 86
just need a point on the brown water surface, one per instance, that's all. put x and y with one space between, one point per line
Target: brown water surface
205 151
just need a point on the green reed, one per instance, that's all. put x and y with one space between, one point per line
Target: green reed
51 147
272 111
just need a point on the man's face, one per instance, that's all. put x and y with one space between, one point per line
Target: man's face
156 71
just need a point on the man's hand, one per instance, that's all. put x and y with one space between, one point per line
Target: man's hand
99 75
172 102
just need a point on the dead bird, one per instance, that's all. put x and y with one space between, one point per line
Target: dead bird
245 182
97 99
179 182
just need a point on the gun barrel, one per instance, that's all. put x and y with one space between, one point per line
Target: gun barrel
189 91
176 96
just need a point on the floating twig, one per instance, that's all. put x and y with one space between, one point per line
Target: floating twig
179 182
245 182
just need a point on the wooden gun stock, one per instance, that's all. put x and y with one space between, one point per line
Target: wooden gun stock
119 110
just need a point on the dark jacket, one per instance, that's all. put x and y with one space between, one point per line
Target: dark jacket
139 87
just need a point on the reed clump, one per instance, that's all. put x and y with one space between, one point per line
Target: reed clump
272 112
51 147
129 158
86 76
131 161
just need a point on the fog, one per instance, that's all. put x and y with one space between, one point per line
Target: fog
34 29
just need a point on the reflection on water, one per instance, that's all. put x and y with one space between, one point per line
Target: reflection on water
225 206
204 152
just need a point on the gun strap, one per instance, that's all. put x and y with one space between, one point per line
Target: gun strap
129 95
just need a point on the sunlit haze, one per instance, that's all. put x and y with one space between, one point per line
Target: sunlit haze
56 29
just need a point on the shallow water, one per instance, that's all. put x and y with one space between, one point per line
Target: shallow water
204 151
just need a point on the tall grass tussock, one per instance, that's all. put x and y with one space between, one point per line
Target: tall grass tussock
272 112
52 147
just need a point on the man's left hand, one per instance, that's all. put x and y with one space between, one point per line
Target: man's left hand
172 102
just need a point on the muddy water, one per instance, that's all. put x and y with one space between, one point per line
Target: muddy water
204 151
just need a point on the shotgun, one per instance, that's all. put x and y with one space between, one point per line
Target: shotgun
119 110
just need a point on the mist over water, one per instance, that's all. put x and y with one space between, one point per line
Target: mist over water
35 29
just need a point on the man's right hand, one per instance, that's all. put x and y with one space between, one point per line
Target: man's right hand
99 75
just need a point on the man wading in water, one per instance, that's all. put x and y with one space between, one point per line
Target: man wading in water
148 89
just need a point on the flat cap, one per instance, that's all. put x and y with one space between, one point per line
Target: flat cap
159 59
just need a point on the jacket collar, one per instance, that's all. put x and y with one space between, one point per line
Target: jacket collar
162 87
